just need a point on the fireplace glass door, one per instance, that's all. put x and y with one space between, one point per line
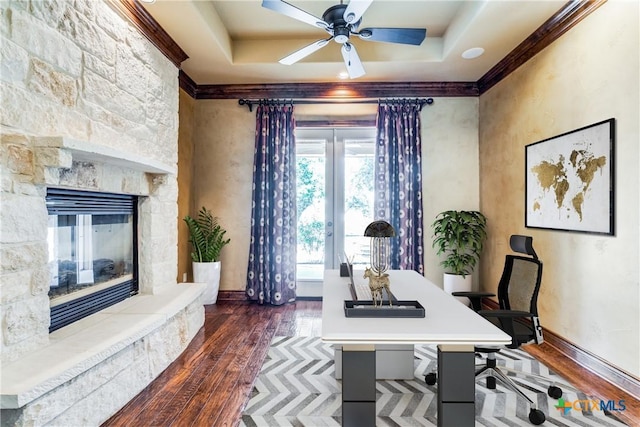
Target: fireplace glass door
92 252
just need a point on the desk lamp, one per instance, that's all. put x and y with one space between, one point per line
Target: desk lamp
380 232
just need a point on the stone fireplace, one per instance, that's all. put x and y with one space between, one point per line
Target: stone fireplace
123 346
88 104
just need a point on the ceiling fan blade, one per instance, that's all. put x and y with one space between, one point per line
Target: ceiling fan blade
414 36
355 9
304 52
352 61
291 11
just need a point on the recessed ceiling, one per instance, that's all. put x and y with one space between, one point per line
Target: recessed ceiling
240 42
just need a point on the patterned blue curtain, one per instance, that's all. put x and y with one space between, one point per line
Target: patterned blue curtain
398 181
271 276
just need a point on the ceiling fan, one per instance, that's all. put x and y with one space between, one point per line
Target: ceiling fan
342 21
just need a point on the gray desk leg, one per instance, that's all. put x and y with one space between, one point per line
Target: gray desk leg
358 386
456 386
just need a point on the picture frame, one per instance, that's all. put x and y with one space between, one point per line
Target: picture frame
569 180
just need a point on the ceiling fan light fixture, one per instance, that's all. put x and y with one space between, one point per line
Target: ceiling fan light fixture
472 53
341 35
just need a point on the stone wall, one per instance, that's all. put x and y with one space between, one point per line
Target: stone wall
86 102
78 70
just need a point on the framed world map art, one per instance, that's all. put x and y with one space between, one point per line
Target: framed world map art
569 180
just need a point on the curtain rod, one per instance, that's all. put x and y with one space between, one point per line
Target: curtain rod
251 102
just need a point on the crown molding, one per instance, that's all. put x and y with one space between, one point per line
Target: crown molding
187 84
565 19
342 91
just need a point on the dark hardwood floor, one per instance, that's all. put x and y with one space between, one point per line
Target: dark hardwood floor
209 384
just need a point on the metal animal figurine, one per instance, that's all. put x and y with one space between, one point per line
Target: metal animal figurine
377 282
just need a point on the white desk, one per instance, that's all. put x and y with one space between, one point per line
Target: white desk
452 326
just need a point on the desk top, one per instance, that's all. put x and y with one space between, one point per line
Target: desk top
446 321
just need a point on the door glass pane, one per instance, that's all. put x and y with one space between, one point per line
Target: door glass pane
310 188
358 196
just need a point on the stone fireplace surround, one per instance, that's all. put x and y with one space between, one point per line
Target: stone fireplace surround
84 372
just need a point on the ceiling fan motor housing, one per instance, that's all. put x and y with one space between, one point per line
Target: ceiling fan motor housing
338 26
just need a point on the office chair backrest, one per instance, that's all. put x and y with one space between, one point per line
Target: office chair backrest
520 282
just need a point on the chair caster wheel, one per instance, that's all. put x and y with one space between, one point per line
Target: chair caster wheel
430 379
491 383
536 416
555 392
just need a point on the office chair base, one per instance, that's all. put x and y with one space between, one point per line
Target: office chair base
553 391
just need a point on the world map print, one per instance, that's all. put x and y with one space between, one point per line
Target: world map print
568 181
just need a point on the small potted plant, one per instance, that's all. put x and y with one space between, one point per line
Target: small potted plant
460 236
206 236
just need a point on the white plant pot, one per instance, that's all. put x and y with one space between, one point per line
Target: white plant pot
456 283
209 273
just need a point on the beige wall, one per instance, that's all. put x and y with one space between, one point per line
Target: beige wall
223 166
450 167
590 284
222 178
186 143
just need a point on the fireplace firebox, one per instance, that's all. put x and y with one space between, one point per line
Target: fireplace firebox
92 246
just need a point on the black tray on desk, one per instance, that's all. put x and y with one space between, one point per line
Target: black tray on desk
398 309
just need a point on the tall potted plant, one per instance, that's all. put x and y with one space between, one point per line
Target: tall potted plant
460 236
206 236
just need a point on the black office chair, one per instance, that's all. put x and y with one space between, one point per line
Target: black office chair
518 316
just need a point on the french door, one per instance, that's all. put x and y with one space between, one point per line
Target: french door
335 175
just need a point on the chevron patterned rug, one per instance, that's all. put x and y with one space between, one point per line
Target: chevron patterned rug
296 387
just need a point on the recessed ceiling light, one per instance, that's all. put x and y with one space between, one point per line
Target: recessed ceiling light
148 1
472 53
343 75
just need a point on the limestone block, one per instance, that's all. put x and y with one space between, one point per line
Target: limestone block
15 286
14 226
110 21
5 20
100 67
131 183
25 318
40 280
140 47
195 318
158 113
52 12
113 122
91 38
25 185
14 138
144 134
49 176
44 118
131 73
54 85
6 184
22 256
55 157
18 159
14 62
45 42
101 91
164 345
